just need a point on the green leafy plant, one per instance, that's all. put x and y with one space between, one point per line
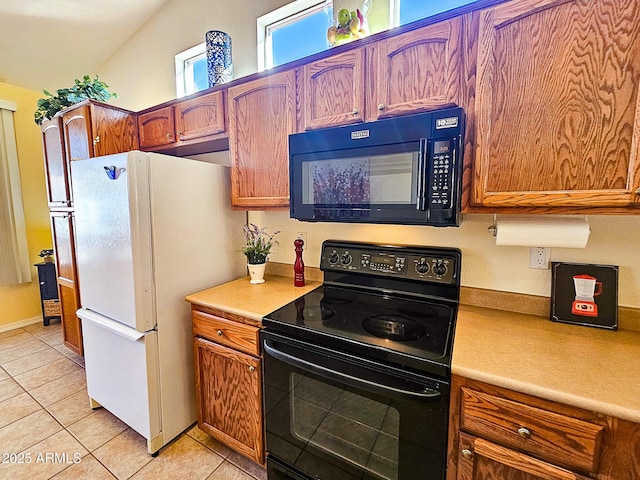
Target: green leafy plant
258 243
84 89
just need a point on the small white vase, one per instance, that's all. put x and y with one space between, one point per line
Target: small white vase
256 271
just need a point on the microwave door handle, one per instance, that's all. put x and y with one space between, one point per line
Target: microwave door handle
424 394
421 183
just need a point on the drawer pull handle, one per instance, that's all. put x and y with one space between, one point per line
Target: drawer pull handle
468 454
219 333
381 106
638 191
252 368
524 433
355 111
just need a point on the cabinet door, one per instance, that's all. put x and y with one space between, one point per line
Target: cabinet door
417 71
333 90
557 104
229 394
113 130
55 164
479 459
77 133
63 243
262 114
156 128
200 117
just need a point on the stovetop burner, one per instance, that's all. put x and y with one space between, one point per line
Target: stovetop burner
392 304
394 327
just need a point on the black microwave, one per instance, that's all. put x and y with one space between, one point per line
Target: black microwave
405 170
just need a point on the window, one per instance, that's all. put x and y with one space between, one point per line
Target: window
407 11
293 31
191 71
299 29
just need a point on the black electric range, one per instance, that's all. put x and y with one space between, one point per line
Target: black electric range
396 304
356 373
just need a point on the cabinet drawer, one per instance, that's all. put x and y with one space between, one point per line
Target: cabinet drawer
551 436
227 332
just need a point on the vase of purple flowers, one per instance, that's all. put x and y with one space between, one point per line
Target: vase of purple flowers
257 246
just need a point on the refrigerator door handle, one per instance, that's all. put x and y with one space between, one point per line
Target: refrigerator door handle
115 327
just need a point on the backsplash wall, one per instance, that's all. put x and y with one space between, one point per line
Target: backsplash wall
614 240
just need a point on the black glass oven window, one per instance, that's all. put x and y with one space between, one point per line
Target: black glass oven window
359 430
373 179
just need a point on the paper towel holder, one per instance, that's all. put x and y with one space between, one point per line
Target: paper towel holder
565 231
493 228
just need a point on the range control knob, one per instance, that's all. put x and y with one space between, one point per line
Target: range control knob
333 258
422 267
346 259
440 268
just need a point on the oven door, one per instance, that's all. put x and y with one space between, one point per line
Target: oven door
331 415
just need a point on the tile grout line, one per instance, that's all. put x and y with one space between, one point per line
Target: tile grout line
90 453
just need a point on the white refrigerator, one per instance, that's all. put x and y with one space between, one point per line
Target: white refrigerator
150 229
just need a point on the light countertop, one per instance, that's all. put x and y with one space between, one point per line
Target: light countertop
252 301
590 368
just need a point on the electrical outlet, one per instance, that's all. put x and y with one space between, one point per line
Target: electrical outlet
303 237
539 257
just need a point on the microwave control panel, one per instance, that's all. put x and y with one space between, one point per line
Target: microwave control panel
441 175
428 266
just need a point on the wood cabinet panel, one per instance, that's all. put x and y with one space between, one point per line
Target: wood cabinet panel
483 460
62 228
64 246
71 325
482 445
262 114
227 332
332 90
77 133
200 117
157 128
113 130
55 164
558 110
229 389
417 71
558 438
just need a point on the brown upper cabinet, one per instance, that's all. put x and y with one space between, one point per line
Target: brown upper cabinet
156 128
200 117
412 72
262 114
93 129
332 90
56 165
558 121
417 71
186 122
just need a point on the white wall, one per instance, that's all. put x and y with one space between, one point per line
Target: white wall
142 73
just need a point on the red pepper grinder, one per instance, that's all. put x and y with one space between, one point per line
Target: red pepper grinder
298 266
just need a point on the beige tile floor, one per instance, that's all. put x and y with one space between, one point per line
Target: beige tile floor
48 430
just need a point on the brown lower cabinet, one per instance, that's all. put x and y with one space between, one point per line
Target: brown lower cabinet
228 372
495 433
62 229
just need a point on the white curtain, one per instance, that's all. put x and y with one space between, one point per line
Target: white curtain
14 255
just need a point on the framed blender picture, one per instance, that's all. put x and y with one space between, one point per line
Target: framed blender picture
584 294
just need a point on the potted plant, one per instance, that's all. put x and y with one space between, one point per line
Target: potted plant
84 89
258 245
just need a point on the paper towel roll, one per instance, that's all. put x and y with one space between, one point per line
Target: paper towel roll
566 232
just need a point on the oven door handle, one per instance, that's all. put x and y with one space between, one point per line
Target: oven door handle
425 393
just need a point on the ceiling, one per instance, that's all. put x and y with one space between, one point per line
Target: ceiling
46 44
